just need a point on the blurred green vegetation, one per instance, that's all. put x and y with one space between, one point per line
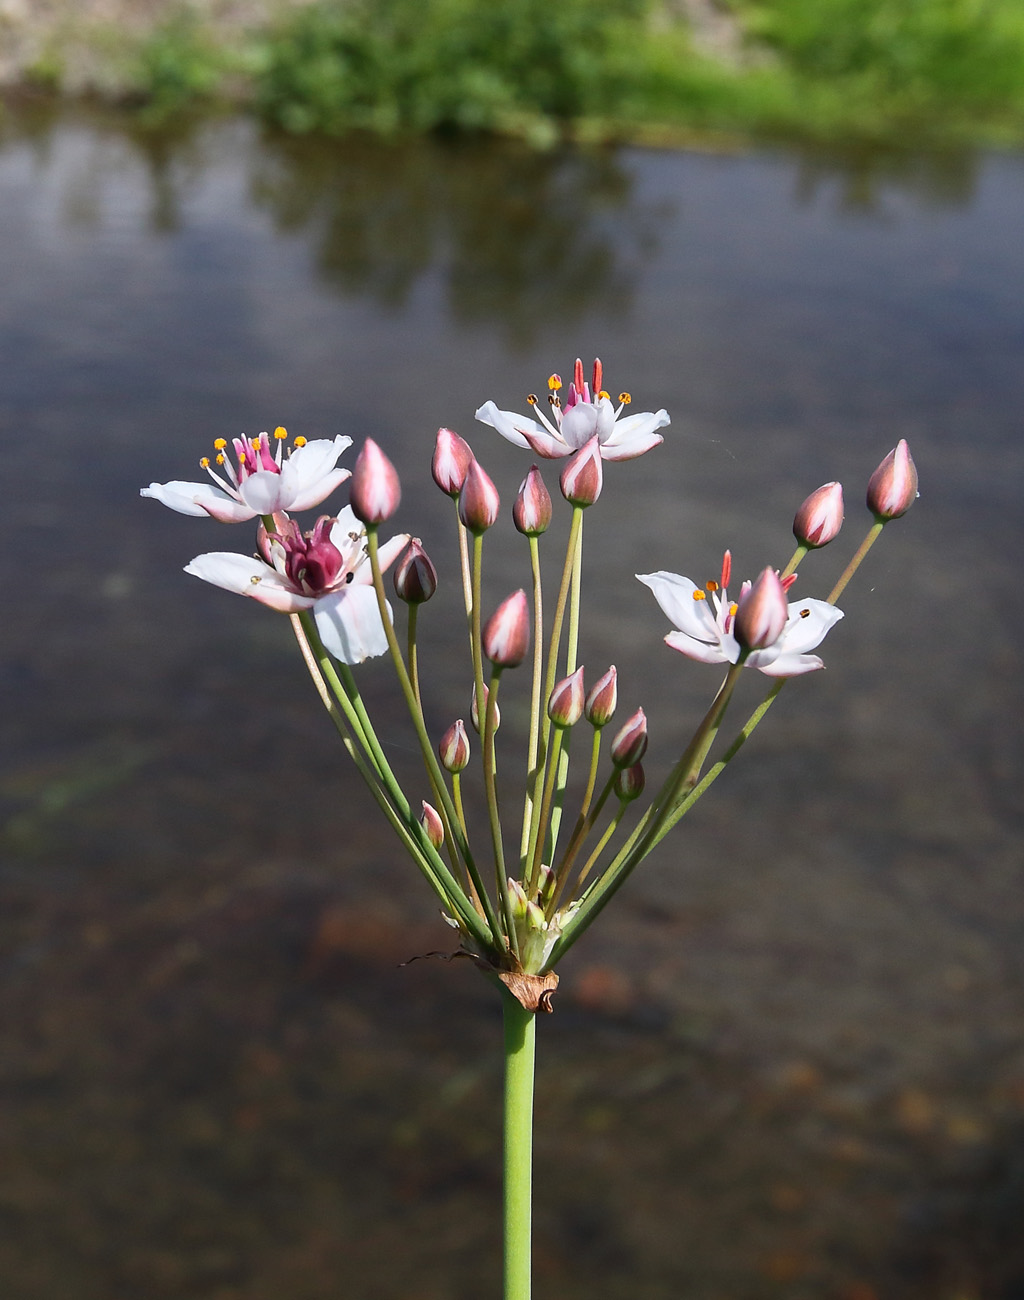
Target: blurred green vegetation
832 70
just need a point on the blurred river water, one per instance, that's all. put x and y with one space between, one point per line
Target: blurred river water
789 1061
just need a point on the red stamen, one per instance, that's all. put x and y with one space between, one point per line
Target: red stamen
726 568
596 386
577 377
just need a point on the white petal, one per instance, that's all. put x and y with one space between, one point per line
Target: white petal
701 650
634 426
309 476
389 551
350 625
675 595
804 632
247 576
630 448
508 424
787 665
199 499
263 492
579 424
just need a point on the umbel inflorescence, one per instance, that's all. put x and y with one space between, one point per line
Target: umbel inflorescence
519 902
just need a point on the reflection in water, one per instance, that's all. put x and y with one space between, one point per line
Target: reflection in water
865 178
790 1064
500 225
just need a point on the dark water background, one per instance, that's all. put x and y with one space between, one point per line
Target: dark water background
789 1061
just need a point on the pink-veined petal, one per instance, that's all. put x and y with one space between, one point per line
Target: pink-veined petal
630 448
675 595
199 499
247 576
510 425
350 625
636 426
547 445
700 650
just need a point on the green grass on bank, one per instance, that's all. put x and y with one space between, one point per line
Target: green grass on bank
934 70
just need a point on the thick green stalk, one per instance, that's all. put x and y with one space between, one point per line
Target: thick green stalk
520 1053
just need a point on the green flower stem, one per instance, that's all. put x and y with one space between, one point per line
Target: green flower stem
384 788
492 809
572 646
467 587
797 556
433 767
545 808
520 1054
537 822
873 534
412 654
613 826
535 701
584 821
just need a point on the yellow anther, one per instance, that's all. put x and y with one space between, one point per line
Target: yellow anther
531 399
241 458
204 462
554 382
699 595
625 398
604 393
711 584
220 458
733 608
219 444
280 432
300 441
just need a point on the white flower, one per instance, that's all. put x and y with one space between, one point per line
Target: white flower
259 482
326 570
704 619
588 413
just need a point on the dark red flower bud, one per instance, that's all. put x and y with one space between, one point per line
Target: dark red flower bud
452 455
565 704
478 501
892 489
630 743
415 575
630 782
453 750
532 510
375 489
506 638
603 698
820 517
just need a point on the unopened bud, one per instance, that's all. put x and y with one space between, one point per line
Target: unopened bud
603 698
432 824
892 488
415 575
583 476
820 517
546 882
453 751
532 510
517 897
762 612
506 637
630 782
565 704
474 712
452 455
375 489
630 743
478 501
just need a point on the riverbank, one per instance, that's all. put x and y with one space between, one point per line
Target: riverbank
946 71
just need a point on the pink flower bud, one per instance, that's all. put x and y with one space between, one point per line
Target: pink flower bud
474 712
452 455
630 743
453 751
478 500
603 698
432 824
820 517
762 613
565 704
892 488
532 510
415 576
506 637
630 782
583 477
375 489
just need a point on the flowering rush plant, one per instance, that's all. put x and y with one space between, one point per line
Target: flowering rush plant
518 903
